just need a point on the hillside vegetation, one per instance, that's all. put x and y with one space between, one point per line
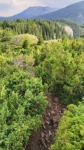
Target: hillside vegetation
77 30
70 134
45 29
61 66
30 68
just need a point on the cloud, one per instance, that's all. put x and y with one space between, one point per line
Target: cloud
58 3
27 2
5 7
11 7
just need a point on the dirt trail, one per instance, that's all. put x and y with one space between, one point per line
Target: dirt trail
44 137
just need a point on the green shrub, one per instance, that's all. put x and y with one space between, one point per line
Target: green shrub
70 134
22 103
62 68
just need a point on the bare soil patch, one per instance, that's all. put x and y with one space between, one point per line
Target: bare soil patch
44 137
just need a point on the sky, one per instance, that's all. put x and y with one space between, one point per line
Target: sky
11 7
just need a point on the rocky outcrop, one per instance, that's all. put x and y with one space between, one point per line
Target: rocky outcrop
69 31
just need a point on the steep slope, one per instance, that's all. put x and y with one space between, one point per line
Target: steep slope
33 12
74 12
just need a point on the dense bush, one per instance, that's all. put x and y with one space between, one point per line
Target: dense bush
70 134
23 63
22 103
62 68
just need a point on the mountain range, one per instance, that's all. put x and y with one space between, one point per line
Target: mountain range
73 12
32 12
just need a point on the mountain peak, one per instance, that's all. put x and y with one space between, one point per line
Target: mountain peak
32 12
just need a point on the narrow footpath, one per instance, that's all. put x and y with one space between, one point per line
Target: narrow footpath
44 137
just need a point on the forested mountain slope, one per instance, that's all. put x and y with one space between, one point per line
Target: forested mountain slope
74 12
45 29
77 30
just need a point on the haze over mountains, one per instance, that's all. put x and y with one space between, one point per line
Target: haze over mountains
74 12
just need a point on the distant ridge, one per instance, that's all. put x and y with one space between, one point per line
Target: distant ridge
32 12
2 18
74 12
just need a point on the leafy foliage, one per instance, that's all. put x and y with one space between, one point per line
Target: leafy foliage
27 67
70 134
22 103
62 69
25 44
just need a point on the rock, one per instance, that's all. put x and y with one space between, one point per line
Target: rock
54 119
42 134
47 122
52 112
43 142
69 30
44 127
50 133
56 99
48 114
46 118
49 105
47 140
